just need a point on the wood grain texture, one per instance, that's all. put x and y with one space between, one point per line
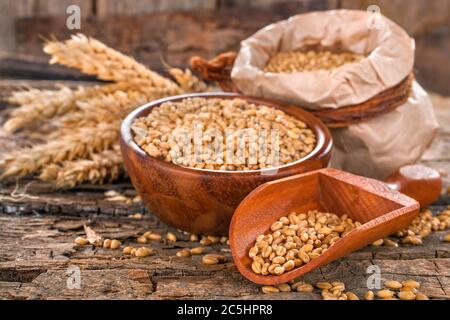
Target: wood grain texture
139 7
381 211
171 35
54 218
36 251
203 201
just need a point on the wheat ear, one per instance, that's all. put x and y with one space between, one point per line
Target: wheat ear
77 144
102 167
95 58
40 105
111 106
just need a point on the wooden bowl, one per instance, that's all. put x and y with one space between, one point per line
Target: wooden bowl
203 201
379 208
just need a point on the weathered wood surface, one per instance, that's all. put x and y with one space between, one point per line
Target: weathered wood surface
37 232
36 252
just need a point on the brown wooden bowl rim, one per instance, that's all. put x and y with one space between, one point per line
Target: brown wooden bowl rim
324 140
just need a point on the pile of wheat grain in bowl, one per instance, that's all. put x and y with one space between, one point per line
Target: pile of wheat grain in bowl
222 134
296 239
311 60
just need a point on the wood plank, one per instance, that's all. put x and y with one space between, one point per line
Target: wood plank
37 268
107 8
11 10
173 36
58 7
29 67
8 12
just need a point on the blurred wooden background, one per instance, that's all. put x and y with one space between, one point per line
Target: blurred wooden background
175 30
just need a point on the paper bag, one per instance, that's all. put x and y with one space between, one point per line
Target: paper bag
376 147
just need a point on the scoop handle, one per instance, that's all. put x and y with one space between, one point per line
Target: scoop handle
418 182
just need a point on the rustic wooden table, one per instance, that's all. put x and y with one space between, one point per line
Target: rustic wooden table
38 255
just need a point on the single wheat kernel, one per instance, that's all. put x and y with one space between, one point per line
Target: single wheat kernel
171 237
143 252
210 260
256 267
278 270
369 295
421 296
81 241
413 290
142 239
392 284
307 248
184 253
351 296
385 294
406 295
338 286
377 243
305 287
284 287
205 241
197 250
253 252
390 243
214 239
115 244
323 285
147 234
289 265
411 284
127 250
276 226
154 236
270 289
107 243
194 237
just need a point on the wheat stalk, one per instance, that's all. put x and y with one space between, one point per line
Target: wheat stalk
77 144
102 167
95 58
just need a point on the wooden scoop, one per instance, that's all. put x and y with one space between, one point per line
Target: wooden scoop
382 208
